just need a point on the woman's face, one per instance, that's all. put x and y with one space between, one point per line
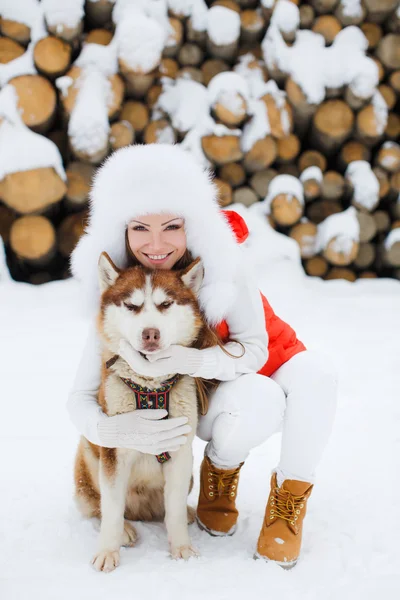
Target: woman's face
157 241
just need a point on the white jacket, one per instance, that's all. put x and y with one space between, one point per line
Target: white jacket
246 324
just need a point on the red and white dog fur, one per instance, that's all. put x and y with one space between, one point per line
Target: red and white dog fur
116 484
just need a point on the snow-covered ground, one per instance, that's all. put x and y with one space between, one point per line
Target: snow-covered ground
351 547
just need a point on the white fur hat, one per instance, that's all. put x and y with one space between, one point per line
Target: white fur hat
152 179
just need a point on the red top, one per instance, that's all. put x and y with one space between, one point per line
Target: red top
283 342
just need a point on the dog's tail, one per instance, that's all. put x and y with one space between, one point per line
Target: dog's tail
4 272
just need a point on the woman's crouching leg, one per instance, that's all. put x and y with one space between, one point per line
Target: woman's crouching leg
242 414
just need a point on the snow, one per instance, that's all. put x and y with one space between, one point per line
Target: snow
393 237
223 25
364 182
257 128
352 8
58 12
389 161
20 148
184 100
315 67
225 87
286 16
21 11
254 75
380 112
282 184
350 548
23 65
343 226
312 173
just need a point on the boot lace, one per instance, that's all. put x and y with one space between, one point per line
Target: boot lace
223 484
286 505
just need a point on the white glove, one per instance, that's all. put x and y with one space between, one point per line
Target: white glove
176 359
142 430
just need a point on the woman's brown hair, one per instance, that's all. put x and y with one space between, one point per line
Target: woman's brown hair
210 337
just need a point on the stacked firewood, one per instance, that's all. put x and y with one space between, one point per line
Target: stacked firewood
294 105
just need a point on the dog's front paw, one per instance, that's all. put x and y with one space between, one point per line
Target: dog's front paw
106 560
184 552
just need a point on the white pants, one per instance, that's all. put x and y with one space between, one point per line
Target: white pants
299 399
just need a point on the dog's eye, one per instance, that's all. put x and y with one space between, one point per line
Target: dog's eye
132 307
165 304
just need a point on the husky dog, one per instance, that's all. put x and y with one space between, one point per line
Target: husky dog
152 310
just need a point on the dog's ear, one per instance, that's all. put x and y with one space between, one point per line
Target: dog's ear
193 275
108 272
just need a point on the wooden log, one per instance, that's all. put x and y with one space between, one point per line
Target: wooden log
224 113
303 111
159 131
350 17
373 33
222 149
307 16
332 125
52 56
381 69
70 231
379 10
59 25
316 266
289 169
286 210
261 155
137 85
368 128
395 195
328 26
383 180
288 149
99 36
312 158
168 67
333 186
194 35
392 131
121 134
233 174
368 229
341 273
9 50
33 190
175 40
391 250
394 81
305 235
389 157
367 275
79 179
388 51
224 192
153 95
231 4
323 6
33 240
224 47
382 221
98 12
280 117
321 209
312 186
388 94
7 218
19 32
352 151
244 195
212 67
60 138
338 255
366 256
136 113
37 101
260 181
252 27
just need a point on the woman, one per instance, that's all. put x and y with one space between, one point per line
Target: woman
154 205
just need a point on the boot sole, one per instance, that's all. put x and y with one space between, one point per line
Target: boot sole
215 533
285 565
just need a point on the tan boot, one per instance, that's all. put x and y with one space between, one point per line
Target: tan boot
216 511
280 536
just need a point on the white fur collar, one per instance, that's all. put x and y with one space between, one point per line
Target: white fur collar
157 178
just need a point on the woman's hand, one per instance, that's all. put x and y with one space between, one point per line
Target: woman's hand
144 431
175 359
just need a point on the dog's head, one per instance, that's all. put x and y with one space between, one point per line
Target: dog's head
150 309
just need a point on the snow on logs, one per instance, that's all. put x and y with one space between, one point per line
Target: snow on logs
294 106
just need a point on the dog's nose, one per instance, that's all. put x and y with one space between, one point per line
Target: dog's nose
150 335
